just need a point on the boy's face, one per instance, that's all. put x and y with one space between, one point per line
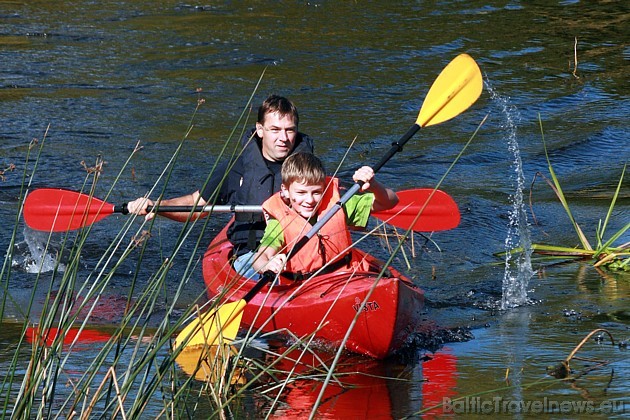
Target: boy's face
303 198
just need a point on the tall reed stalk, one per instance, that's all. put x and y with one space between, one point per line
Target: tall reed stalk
134 371
604 253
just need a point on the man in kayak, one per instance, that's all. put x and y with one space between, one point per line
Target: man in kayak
254 177
305 194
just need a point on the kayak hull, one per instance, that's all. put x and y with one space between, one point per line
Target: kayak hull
380 311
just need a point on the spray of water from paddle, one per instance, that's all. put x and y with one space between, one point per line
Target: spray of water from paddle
518 267
37 254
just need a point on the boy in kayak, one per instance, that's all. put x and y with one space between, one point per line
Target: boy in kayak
305 194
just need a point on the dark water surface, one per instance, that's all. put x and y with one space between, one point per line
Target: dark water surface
104 76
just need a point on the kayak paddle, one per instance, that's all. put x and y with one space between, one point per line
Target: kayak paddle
457 87
60 210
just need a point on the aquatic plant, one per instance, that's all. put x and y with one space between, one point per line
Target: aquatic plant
133 370
562 374
563 369
604 254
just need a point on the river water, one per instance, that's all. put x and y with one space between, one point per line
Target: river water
92 79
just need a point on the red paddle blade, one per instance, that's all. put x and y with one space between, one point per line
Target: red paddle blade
422 210
57 210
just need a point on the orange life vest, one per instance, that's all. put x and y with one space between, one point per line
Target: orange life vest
330 244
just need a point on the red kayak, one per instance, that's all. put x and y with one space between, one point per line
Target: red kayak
327 303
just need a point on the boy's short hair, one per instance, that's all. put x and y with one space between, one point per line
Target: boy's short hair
303 167
279 104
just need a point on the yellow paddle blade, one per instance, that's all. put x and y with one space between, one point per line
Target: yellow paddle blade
457 87
213 327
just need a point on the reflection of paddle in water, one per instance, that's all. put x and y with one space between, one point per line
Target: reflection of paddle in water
68 336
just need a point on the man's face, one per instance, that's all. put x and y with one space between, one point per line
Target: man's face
303 198
278 136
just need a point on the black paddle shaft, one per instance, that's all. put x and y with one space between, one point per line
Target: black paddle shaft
269 275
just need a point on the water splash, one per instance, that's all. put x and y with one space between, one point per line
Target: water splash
33 256
518 266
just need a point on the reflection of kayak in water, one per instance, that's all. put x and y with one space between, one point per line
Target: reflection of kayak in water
330 301
439 375
368 389
359 389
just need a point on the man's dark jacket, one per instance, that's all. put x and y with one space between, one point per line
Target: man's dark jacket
249 182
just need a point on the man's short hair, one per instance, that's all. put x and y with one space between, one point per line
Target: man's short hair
279 104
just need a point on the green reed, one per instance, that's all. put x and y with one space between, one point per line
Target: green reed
604 253
135 369
136 372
